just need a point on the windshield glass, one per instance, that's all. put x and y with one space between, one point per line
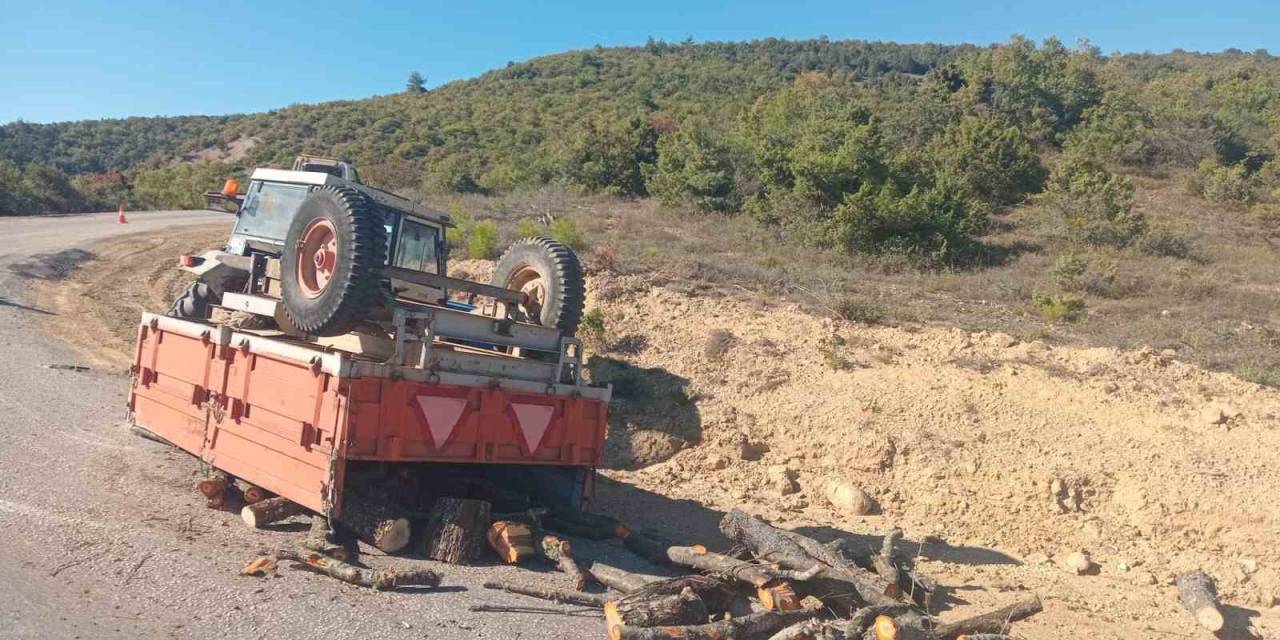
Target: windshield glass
417 247
269 208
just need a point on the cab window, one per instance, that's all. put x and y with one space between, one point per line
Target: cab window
417 247
268 209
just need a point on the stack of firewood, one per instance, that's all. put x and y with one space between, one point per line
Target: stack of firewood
782 585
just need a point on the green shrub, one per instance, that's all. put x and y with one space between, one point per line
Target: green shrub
1160 241
996 159
1230 184
527 228
463 225
1092 205
853 309
693 166
1118 130
936 223
1069 271
483 241
814 139
1059 307
593 329
565 231
609 154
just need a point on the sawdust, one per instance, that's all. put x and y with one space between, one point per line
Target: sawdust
999 458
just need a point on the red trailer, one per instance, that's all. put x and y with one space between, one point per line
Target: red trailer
292 416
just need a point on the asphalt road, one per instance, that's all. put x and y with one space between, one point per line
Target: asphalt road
105 537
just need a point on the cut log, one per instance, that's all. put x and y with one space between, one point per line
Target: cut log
255 494
381 580
649 546
992 622
684 608
554 595
376 521
843 586
269 511
885 628
619 580
592 526
748 626
512 540
1200 597
778 595
456 530
213 487
862 619
773 593
560 552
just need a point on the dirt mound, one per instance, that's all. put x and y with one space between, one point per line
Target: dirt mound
1149 464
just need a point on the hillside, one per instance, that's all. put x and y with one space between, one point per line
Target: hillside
1026 187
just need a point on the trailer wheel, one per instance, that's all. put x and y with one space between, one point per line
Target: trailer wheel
192 303
331 267
550 274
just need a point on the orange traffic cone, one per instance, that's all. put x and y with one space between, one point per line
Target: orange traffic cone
120 216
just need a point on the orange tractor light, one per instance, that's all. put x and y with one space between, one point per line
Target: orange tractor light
230 188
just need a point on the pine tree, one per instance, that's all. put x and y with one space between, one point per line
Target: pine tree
416 83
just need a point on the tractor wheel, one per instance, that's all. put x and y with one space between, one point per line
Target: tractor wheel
193 302
331 268
550 274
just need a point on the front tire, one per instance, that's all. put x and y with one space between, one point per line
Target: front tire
331 267
193 303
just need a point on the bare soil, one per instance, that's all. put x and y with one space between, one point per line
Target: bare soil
999 455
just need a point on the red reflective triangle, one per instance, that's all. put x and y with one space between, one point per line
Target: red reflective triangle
533 420
441 413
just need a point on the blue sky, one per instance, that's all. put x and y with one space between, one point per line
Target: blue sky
67 60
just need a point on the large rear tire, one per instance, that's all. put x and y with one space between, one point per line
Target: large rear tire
331 267
550 273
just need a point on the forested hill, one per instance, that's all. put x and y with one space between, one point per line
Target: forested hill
855 146
488 119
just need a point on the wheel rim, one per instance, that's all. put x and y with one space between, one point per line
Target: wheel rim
317 257
529 281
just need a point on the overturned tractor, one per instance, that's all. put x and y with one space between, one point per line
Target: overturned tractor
324 355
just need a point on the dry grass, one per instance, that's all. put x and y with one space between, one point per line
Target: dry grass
1203 284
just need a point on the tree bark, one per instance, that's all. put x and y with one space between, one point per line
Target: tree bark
882 562
1200 597
269 511
456 530
560 552
684 608
592 526
318 540
554 595
748 626
619 580
772 591
841 585
381 580
376 521
512 540
992 622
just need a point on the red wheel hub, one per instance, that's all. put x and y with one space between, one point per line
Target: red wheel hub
317 257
